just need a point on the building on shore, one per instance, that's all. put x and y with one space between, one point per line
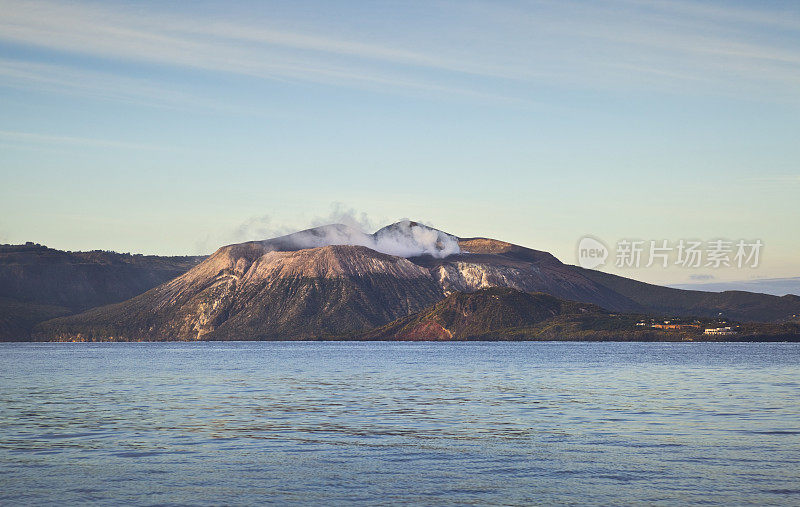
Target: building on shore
676 326
719 331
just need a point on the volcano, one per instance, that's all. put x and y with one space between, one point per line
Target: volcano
336 281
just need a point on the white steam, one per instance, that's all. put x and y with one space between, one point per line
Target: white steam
403 239
410 239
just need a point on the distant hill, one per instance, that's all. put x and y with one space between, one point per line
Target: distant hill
738 305
337 281
38 283
774 286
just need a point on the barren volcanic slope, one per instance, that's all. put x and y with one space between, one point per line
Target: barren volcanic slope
334 281
250 291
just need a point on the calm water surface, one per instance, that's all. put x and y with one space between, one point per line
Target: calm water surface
383 423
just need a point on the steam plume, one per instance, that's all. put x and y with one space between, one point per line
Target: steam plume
346 226
403 239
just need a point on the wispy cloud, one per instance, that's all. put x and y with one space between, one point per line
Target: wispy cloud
64 79
618 42
661 45
783 18
213 45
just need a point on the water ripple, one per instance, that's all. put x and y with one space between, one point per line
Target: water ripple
387 423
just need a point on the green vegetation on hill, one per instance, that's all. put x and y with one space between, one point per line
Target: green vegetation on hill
39 283
17 318
508 314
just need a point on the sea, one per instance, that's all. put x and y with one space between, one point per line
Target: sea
386 423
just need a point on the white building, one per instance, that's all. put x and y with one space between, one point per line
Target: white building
720 331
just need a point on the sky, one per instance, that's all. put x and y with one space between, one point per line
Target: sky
178 127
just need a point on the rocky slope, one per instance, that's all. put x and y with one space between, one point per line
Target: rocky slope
485 262
335 281
252 292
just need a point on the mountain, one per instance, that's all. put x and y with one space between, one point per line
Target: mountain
484 262
336 281
252 291
738 305
38 283
509 314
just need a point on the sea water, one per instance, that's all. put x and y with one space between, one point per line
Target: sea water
384 423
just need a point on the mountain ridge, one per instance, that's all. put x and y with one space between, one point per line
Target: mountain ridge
38 283
309 285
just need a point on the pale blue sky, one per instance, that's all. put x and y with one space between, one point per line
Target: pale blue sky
163 127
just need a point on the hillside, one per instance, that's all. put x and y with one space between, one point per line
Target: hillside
485 313
17 319
38 283
738 305
508 314
338 281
